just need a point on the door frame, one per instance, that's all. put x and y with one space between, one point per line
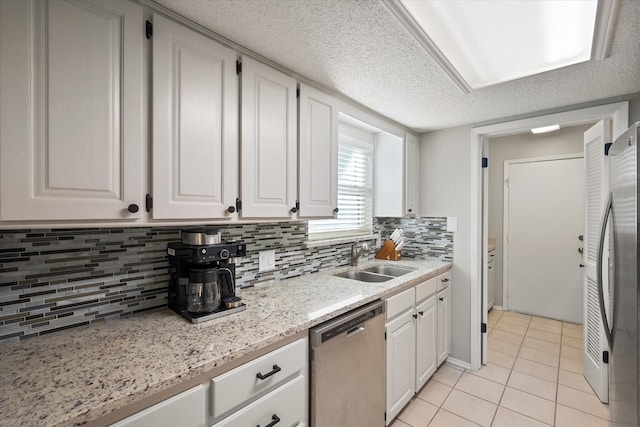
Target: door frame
619 115
505 213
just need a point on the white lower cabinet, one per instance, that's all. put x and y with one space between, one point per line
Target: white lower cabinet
417 333
232 390
284 406
187 409
426 335
270 390
444 318
261 392
491 279
401 357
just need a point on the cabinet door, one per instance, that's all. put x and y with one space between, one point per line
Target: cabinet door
444 324
411 175
268 143
426 344
318 154
186 410
71 110
491 284
401 363
195 124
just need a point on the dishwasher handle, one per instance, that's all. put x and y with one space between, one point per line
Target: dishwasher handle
355 331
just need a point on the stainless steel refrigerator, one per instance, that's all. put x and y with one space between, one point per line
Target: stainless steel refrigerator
620 302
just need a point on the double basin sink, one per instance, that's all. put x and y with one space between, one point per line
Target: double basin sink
377 273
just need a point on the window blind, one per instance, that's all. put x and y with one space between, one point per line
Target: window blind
355 188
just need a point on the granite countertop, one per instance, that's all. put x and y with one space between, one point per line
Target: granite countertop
80 374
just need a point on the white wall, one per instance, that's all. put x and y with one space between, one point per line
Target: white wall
565 141
445 191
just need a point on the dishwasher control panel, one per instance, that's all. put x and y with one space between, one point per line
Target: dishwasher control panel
346 322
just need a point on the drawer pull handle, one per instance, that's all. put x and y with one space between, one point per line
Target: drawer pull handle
275 421
445 280
275 370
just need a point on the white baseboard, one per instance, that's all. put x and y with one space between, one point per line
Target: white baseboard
498 307
457 363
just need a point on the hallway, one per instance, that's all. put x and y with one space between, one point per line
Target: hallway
533 378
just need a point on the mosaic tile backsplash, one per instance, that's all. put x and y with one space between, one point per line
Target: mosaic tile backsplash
62 278
427 237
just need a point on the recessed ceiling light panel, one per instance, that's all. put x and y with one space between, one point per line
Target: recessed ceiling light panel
545 129
490 42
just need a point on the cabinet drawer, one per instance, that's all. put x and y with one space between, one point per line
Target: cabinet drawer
401 302
233 389
287 403
426 289
185 409
444 280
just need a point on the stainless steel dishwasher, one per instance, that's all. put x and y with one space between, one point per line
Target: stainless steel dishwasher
348 369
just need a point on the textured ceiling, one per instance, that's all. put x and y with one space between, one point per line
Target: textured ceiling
357 48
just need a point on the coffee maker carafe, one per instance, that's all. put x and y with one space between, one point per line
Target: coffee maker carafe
202 283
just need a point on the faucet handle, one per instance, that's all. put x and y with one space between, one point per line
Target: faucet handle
365 247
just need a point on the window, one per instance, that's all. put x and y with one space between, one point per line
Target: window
355 187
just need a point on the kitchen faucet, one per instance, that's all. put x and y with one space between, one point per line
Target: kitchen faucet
355 253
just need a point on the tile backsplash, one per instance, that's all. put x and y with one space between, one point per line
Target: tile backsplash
62 278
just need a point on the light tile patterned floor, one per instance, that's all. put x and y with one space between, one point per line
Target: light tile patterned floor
533 378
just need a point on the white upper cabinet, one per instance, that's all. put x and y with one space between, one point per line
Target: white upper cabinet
71 110
268 142
411 174
195 124
318 154
388 200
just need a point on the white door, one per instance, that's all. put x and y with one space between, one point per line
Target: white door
596 188
195 124
268 143
71 138
401 363
426 341
318 154
543 222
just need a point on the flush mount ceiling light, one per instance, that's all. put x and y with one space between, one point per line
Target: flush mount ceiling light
545 129
482 43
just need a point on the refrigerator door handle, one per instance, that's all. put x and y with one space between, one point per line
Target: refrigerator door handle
603 229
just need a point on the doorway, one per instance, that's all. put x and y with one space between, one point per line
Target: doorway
543 223
618 112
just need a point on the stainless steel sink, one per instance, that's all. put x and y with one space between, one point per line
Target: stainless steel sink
363 276
388 270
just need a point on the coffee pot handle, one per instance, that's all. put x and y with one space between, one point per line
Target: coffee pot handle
230 284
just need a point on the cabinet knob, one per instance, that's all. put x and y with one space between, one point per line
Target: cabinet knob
410 210
293 209
231 209
441 298
445 280
421 313
133 208
335 211
415 316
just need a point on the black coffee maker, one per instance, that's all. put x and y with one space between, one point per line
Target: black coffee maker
202 269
